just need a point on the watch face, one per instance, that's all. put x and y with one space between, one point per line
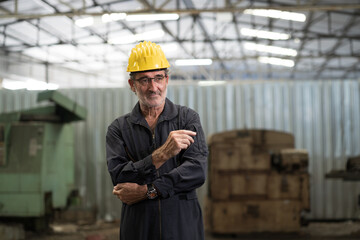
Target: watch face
151 194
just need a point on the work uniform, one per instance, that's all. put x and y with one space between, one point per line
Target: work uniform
176 213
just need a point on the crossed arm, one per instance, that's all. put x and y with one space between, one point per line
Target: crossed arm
131 193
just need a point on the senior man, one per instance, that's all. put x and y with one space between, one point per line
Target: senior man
156 156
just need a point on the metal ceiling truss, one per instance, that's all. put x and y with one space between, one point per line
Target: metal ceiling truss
221 69
330 54
278 6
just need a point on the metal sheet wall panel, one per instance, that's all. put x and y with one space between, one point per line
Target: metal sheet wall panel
324 117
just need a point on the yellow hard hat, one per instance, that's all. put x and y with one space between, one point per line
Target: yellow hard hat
147 56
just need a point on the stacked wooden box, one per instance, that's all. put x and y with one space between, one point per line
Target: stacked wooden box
258 182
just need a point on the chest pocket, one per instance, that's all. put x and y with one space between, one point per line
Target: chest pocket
137 149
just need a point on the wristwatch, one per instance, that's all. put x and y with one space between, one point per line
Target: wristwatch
151 192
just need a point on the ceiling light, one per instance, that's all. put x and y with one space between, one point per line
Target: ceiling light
277 61
225 17
40 85
13 85
299 17
169 47
270 49
84 22
264 34
193 62
29 84
123 40
35 85
210 83
52 86
112 17
155 34
152 17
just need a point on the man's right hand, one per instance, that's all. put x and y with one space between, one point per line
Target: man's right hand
176 141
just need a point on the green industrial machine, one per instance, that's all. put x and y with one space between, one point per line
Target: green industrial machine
37 157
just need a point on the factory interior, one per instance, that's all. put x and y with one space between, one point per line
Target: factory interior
275 83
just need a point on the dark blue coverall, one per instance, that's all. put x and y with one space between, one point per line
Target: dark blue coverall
176 214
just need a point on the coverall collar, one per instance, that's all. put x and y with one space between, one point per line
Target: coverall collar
170 111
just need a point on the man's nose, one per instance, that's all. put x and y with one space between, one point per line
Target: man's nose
152 84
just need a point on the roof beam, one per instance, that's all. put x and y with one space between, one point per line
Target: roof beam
236 26
122 23
189 5
61 40
305 30
310 8
352 68
165 28
330 53
89 30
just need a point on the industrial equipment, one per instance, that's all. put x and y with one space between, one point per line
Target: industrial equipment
351 173
37 157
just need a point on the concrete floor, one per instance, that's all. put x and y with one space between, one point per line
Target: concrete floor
109 231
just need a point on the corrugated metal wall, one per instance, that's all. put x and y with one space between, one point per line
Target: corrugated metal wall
324 116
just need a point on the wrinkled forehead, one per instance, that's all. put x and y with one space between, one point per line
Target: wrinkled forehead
151 73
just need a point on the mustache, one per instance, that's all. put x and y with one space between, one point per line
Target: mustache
154 92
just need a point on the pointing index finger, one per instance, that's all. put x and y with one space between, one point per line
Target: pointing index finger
188 132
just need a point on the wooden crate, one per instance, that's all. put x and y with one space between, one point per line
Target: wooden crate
290 187
208 214
229 136
284 186
246 149
233 185
267 140
305 191
238 157
232 217
294 160
274 141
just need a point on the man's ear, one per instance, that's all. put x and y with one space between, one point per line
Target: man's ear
131 84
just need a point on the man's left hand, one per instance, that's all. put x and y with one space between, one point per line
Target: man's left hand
130 193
